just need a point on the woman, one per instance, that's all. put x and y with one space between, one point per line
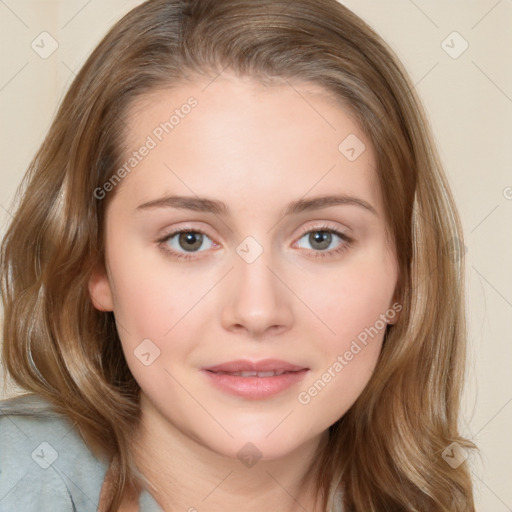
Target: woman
158 293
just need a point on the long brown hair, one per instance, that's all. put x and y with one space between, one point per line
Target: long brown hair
387 449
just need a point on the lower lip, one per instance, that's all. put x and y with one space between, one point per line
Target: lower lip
255 388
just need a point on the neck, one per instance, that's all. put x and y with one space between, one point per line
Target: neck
184 474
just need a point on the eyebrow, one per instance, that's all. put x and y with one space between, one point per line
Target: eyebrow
202 204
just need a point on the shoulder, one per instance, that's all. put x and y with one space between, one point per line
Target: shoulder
44 463
336 497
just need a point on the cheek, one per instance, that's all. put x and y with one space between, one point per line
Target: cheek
156 307
142 303
149 296
150 311
353 328
352 300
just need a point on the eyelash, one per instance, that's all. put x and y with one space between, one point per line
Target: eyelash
317 254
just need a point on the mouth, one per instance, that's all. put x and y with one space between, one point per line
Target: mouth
248 368
255 380
255 374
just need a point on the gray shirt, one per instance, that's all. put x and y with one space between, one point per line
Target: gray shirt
45 465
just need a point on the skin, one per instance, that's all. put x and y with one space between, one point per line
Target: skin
257 149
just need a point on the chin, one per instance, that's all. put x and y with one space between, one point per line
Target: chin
261 444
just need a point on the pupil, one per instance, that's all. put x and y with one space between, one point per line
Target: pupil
321 237
192 240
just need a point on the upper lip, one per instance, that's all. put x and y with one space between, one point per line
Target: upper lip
265 365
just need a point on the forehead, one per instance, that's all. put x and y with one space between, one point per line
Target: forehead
237 136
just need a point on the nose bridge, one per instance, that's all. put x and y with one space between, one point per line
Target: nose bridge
258 299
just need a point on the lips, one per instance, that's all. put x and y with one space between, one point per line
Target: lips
264 368
255 380
252 374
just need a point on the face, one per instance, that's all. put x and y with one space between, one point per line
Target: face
214 299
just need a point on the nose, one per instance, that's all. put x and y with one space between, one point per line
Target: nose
257 302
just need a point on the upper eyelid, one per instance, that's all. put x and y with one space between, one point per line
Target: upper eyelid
324 226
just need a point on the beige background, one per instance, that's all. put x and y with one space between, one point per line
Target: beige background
469 100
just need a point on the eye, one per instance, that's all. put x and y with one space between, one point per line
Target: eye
187 240
184 243
323 237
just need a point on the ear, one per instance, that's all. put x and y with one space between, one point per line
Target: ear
394 320
394 310
100 290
